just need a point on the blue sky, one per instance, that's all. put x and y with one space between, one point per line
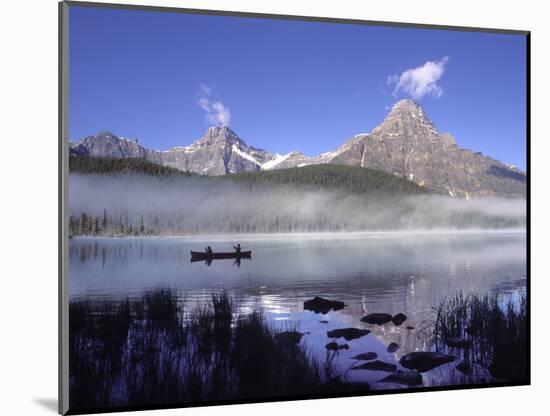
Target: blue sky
163 78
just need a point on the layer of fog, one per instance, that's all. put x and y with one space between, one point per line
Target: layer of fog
199 205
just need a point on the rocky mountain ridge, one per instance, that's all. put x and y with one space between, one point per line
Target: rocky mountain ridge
406 144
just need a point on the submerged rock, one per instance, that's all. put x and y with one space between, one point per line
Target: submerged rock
376 366
410 327
334 346
425 361
320 305
399 319
348 333
407 378
457 342
377 318
367 356
289 338
393 347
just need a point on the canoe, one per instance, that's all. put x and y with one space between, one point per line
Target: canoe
201 255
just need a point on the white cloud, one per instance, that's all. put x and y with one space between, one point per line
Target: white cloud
220 114
216 112
206 89
420 81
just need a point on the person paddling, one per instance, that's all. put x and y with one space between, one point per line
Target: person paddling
208 250
237 248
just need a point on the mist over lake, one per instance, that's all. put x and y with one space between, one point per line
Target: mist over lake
296 264
198 205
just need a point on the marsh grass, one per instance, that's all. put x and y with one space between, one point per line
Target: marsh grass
494 329
147 351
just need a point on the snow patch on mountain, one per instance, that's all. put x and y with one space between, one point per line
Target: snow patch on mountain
275 161
186 149
244 155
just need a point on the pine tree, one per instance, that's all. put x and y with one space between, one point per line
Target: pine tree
72 230
104 221
83 223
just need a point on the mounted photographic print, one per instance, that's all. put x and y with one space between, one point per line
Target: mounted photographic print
261 207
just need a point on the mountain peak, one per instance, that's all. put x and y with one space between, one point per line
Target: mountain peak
408 106
106 134
219 133
406 102
407 117
217 130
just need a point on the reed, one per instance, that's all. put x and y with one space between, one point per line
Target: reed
147 352
493 329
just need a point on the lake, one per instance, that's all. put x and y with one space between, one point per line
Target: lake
371 272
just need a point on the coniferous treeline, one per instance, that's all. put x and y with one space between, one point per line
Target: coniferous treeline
113 166
107 225
400 217
350 179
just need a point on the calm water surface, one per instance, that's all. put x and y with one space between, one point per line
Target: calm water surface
382 272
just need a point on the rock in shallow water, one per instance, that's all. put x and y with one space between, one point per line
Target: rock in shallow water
289 338
399 319
377 318
333 346
425 361
366 356
393 347
407 378
348 333
376 366
320 305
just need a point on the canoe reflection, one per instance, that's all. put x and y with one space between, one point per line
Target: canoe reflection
209 257
208 262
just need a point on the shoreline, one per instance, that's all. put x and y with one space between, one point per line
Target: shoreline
319 235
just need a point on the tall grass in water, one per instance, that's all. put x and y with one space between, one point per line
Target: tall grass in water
147 351
161 308
493 330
